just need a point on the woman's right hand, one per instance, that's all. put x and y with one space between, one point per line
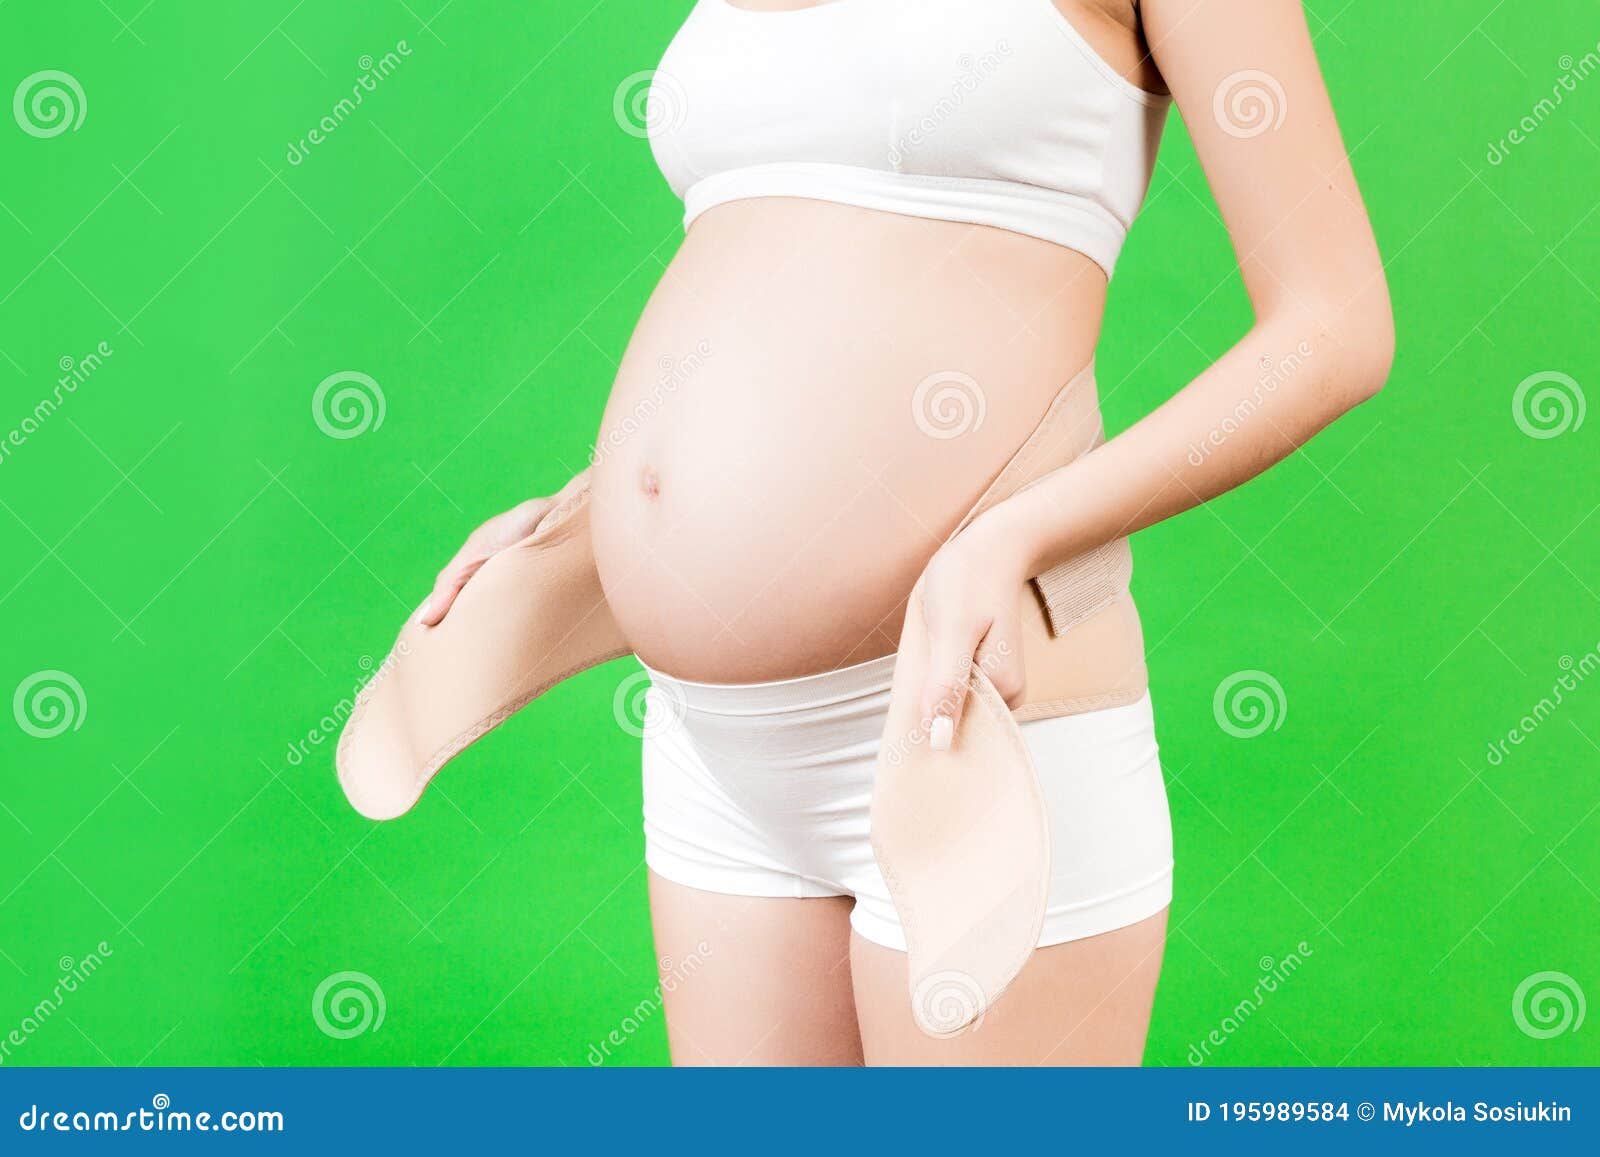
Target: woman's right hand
500 532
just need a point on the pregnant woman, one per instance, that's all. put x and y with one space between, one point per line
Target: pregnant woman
902 217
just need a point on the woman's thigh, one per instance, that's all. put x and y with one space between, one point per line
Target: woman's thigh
1085 1002
752 980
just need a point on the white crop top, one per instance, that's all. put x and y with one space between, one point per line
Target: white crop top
994 112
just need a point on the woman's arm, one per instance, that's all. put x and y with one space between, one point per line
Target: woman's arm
1246 80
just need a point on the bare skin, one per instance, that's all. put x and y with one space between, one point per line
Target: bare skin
764 496
786 982
771 981
698 525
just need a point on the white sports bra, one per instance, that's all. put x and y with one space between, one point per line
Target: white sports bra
994 112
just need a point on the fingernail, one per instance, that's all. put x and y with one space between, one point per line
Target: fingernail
941 734
422 611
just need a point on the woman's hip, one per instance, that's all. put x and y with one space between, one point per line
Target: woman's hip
765 790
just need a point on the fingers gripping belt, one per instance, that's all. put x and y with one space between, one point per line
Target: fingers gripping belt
962 840
960 835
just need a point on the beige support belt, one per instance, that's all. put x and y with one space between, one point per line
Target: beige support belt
960 835
531 617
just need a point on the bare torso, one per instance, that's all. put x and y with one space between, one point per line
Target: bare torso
814 397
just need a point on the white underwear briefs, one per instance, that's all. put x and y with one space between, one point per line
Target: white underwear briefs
765 789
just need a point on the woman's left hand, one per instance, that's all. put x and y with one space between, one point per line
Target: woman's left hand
970 594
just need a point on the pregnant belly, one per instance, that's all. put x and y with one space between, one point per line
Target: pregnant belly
814 397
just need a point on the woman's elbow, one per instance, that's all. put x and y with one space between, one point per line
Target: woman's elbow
1371 353
1366 340
1357 342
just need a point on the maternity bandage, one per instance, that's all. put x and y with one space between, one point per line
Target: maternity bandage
531 617
535 614
963 838
993 112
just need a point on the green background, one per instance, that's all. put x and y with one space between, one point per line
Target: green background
479 237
